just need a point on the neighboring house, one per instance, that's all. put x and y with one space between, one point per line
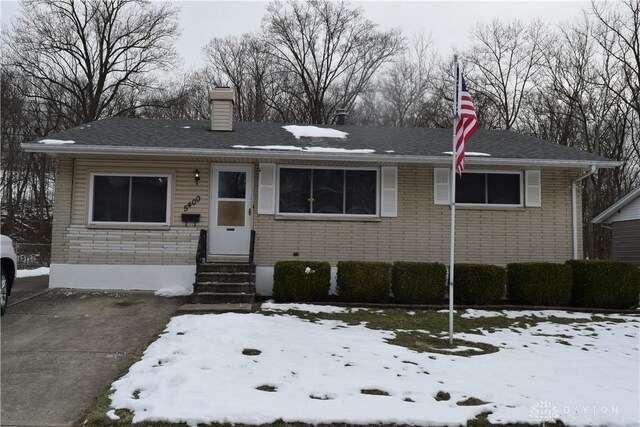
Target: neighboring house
624 217
340 193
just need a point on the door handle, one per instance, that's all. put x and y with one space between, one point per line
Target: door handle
249 211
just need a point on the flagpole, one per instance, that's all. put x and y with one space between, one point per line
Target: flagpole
452 196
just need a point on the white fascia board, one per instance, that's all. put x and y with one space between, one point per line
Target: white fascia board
609 212
284 155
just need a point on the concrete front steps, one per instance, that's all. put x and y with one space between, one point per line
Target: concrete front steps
225 283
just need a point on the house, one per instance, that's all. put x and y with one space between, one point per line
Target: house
624 217
132 196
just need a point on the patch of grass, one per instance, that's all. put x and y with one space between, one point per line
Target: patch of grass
482 420
374 392
320 397
267 387
471 401
421 342
408 399
442 395
251 352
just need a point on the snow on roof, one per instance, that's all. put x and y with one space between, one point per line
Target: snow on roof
469 153
56 141
308 149
314 132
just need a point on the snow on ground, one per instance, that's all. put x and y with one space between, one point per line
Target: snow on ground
314 132
196 372
56 141
40 271
310 308
174 291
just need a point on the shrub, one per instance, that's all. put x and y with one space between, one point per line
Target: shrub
360 281
301 281
418 282
539 283
478 283
605 284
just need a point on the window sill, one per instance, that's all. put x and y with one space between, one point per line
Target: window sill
490 207
125 226
294 217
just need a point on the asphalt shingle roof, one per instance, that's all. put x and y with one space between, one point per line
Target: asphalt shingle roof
387 141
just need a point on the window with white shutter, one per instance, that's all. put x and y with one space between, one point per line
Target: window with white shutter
389 191
441 191
267 189
533 196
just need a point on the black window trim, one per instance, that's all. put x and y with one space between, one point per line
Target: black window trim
131 174
498 172
312 215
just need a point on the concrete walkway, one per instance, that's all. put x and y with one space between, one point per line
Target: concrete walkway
60 348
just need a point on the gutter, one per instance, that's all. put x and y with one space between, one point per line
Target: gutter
574 208
297 155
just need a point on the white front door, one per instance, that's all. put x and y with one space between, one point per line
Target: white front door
230 213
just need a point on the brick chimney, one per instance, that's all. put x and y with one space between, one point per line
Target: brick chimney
221 101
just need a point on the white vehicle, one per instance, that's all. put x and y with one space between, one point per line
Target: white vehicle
9 268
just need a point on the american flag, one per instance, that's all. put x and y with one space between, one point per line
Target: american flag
467 121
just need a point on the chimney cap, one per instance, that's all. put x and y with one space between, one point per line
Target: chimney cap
222 94
340 117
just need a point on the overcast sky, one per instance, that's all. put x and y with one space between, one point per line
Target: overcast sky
448 22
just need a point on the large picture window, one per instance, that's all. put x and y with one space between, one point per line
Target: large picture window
328 191
130 199
489 188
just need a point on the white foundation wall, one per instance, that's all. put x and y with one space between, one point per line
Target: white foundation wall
121 277
264 280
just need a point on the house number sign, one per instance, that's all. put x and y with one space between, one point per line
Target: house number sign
192 203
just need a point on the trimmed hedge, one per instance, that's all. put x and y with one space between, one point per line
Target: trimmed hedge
301 281
360 281
419 282
539 283
478 284
605 284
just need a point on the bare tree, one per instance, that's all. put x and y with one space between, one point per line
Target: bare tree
81 55
244 63
327 50
616 30
503 63
404 85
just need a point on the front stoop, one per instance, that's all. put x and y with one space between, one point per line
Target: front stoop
214 308
224 283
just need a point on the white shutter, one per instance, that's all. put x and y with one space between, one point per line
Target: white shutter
389 192
441 191
532 188
267 189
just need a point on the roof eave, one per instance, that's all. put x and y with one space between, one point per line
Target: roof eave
295 155
613 209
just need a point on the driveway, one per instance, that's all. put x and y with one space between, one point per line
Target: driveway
60 348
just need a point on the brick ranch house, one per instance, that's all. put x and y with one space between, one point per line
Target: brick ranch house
129 192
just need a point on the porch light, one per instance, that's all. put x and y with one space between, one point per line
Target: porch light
196 176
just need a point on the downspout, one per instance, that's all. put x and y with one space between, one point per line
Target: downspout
574 208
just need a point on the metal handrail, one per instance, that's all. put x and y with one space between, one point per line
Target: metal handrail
201 251
252 247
